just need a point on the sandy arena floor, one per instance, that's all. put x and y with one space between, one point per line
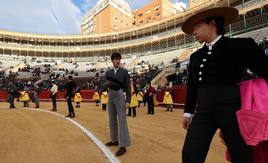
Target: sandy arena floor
31 136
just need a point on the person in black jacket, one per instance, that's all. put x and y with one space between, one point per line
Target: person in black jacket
12 93
70 88
213 96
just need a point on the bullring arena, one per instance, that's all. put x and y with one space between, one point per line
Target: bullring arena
30 135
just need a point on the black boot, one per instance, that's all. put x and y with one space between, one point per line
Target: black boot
134 112
129 111
120 151
72 115
54 109
112 143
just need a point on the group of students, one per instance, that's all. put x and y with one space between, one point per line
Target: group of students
100 96
25 97
137 98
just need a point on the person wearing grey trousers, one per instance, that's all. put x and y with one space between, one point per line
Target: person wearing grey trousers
118 81
37 91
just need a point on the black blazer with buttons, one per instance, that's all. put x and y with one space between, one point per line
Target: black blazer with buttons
225 64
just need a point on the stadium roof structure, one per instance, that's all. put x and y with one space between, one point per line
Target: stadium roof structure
159 36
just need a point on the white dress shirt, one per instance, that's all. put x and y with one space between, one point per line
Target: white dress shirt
54 89
115 70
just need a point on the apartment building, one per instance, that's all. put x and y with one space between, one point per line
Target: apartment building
116 15
154 11
107 16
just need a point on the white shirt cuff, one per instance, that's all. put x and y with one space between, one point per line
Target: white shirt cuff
189 115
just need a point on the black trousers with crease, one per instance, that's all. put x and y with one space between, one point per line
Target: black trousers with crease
54 101
70 106
216 108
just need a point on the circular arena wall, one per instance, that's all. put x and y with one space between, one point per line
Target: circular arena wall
158 37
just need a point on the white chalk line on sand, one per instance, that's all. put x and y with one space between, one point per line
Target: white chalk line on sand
3 106
105 150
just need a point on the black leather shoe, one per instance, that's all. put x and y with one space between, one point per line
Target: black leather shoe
53 110
69 116
112 143
72 116
120 151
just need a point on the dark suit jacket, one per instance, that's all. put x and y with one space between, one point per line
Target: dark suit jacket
121 79
229 57
70 87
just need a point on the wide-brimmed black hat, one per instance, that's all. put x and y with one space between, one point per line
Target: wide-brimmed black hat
229 14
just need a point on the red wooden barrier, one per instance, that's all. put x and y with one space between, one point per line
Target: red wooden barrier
45 95
178 95
3 95
86 94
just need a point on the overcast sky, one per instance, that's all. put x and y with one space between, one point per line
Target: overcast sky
61 17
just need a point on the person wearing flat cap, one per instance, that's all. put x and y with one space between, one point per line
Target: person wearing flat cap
118 81
213 95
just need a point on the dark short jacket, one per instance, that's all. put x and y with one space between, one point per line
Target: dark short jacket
70 87
226 63
120 79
